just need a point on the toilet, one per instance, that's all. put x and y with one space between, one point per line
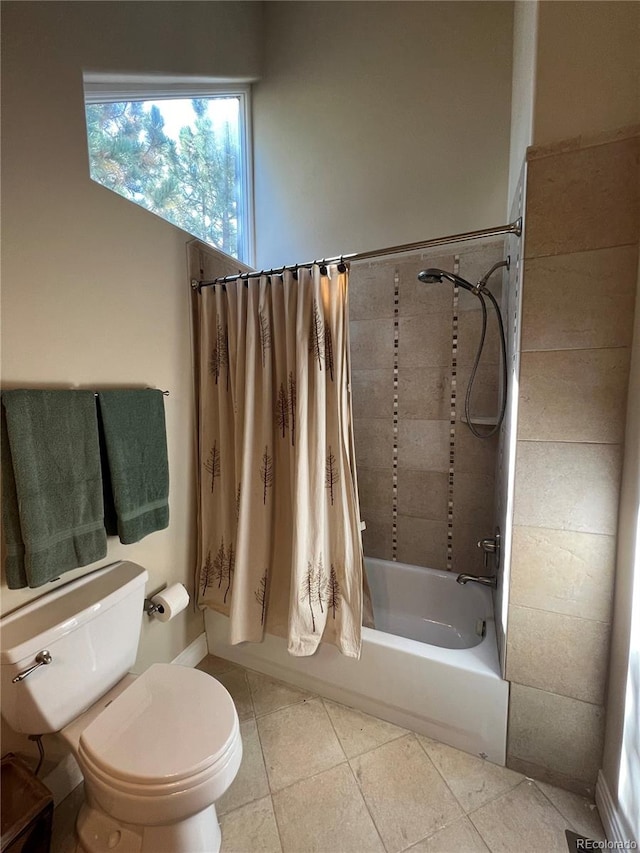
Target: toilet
156 750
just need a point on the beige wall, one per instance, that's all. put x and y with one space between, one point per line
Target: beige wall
94 289
525 34
380 124
580 267
588 68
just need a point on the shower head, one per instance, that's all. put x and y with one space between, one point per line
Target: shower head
433 276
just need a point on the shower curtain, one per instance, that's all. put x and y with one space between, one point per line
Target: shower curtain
280 545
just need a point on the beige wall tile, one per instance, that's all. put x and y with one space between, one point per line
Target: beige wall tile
476 259
467 557
567 486
469 302
375 490
425 341
573 395
563 571
533 823
422 542
417 297
555 732
373 440
376 539
585 199
372 393
485 394
325 813
424 392
423 445
371 344
470 332
474 455
371 291
558 653
473 498
423 494
405 794
581 300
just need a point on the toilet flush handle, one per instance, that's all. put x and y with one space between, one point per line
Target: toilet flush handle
43 658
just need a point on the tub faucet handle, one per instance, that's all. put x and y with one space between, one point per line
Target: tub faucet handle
490 545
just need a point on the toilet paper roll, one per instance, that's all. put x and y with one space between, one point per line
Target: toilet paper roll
170 601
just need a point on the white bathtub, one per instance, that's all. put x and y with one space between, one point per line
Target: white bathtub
426 667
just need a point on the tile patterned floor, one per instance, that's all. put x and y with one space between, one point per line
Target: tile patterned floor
317 777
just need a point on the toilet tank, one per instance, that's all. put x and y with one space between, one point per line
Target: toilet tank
90 627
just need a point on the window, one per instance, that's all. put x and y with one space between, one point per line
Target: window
179 149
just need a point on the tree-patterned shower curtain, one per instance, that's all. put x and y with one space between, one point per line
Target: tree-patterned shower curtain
280 545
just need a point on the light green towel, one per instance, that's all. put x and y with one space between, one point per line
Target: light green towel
52 451
136 445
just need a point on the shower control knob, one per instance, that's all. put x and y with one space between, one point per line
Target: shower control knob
490 546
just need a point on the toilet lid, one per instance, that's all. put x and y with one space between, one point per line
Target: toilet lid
172 722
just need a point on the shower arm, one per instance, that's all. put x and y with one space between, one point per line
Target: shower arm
481 286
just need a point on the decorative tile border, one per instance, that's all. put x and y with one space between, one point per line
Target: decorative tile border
452 415
394 473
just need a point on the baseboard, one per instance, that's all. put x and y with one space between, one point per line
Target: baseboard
614 823
194 653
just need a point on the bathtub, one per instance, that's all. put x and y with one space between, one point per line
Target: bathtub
431 665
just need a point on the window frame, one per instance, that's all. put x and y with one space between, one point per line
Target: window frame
103 88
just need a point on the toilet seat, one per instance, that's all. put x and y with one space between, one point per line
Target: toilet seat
166 747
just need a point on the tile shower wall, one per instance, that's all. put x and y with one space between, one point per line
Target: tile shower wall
426 484
580 268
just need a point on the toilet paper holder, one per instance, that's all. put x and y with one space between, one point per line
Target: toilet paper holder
150 607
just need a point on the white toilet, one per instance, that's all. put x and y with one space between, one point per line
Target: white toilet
156 750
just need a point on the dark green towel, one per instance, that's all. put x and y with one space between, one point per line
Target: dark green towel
52 451
136 445
14 561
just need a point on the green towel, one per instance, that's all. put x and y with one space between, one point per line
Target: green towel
14 561
52 452
136 446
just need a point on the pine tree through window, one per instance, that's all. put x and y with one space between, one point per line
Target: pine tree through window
184 159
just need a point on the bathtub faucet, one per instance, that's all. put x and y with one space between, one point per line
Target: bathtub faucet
485 580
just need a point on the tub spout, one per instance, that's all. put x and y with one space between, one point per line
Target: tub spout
485 580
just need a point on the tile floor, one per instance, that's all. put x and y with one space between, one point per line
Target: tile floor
317 776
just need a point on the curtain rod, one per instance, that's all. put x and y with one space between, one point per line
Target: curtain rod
164 393
512 228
